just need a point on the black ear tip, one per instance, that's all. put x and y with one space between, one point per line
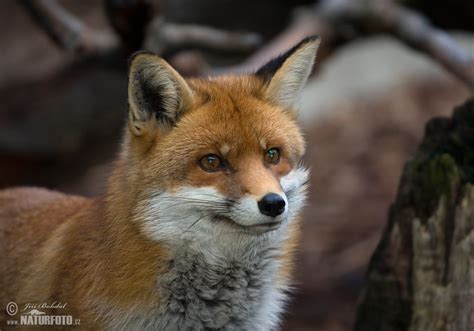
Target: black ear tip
267 71
308 39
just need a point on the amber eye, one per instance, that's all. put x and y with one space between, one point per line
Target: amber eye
210 163
272 155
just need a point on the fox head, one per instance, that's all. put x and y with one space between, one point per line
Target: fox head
219 155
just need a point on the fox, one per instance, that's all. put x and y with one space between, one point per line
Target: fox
200 219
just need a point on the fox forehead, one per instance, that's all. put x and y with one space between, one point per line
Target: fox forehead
231 116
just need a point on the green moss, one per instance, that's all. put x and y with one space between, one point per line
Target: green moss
440 176
444 163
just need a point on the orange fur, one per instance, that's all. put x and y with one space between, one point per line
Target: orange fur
92 253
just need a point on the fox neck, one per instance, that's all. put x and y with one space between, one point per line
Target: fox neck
236 287
224 280
198 282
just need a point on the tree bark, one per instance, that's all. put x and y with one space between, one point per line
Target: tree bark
421 276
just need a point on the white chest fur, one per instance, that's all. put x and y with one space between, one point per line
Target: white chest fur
225 294
228 294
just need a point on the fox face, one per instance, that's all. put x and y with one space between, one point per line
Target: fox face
218 156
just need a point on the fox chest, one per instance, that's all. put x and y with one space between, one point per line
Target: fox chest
223 296
195 295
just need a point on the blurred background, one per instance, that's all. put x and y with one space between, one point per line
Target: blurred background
384 68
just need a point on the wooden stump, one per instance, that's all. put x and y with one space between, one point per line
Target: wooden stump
421 276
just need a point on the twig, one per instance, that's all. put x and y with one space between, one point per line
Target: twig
303 24
163 36
337 21
131 20
378 16
410 27
66 30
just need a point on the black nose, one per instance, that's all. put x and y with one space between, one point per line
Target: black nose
272 205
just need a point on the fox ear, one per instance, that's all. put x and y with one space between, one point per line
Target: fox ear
157 94
286 75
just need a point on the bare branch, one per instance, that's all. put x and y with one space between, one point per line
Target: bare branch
376 16
341 20
303 24
66 30
410 27
164 35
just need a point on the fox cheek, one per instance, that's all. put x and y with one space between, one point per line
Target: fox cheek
295 185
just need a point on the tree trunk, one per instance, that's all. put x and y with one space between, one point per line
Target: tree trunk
421 276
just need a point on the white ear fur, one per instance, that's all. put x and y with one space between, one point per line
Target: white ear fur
157 94
285 84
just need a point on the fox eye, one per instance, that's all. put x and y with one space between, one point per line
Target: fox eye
210 163
272 155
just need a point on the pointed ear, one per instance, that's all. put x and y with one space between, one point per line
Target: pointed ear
157 94
286 75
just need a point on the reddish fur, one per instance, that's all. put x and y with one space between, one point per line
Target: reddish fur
85 252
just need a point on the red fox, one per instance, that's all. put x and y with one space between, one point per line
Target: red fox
200 217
